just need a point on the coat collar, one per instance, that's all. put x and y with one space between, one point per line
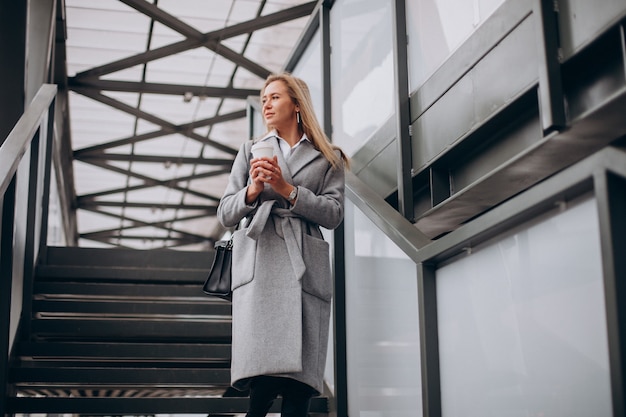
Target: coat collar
303 154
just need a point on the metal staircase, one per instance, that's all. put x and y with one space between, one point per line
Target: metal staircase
116 331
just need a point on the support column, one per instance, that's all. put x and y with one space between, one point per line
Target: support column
13 18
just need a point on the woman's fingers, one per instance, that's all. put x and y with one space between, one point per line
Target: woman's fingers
265 170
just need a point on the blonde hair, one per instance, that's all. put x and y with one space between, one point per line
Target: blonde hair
299 93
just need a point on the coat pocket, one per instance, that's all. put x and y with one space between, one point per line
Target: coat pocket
244 254
317 279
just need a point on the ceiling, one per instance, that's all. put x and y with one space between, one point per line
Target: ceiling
158 92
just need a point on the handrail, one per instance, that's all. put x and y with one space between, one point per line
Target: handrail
401 231
17 142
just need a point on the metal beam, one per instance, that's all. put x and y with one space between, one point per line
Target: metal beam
163 224
167 126
402 113
149 205
551 97
18 140
393 224
429 340
158 88
158 133
154 183
209 40
611 202
159 159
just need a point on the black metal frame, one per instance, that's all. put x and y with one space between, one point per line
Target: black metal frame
604 173
90 84
31 137
403 111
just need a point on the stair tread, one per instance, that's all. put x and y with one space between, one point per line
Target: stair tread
121 257
115 376
125 351
121 273
122 290
129 308
130 406
129 332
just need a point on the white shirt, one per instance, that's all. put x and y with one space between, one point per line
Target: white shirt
283 144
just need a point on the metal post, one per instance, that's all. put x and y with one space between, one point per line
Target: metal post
403 113
339 299
611 200
6 282
47 179
12 99
551 101
429 340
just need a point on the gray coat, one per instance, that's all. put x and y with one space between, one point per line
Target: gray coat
282 282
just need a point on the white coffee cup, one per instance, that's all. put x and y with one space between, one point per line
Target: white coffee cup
261 149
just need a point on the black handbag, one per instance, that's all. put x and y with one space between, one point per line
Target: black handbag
219 279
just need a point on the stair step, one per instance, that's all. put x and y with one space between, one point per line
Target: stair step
126 330
121 352
51 374
142 406
172 259
108 290
120 274
181 308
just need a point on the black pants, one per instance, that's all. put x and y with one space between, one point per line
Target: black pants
264 390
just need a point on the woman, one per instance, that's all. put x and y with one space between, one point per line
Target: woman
282 284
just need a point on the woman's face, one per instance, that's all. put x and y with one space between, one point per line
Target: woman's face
279 109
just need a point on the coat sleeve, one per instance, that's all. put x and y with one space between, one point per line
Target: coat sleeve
325 208
232 207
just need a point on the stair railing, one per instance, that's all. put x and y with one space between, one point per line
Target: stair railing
25 167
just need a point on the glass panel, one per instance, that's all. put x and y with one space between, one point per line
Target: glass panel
522 327
361 70
383 351
438 27
309 68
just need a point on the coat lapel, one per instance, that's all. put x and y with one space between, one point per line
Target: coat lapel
301 157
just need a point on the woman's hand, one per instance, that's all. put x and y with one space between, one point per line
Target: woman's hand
266 171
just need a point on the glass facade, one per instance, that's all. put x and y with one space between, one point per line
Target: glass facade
522 322
309 68
383 354
361 70
436 28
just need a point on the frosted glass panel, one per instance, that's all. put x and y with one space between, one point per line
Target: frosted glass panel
361 70
383 352
309 68
436 28
521 323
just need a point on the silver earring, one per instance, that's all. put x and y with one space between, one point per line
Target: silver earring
298 117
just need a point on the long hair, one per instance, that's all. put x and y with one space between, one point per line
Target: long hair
299 93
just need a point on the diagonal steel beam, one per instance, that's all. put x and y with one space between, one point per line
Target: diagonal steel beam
175 241
150 180
158 88
159 159
136 223
139 223
197 39
156 183
158 133
183 240
148 205
167 126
